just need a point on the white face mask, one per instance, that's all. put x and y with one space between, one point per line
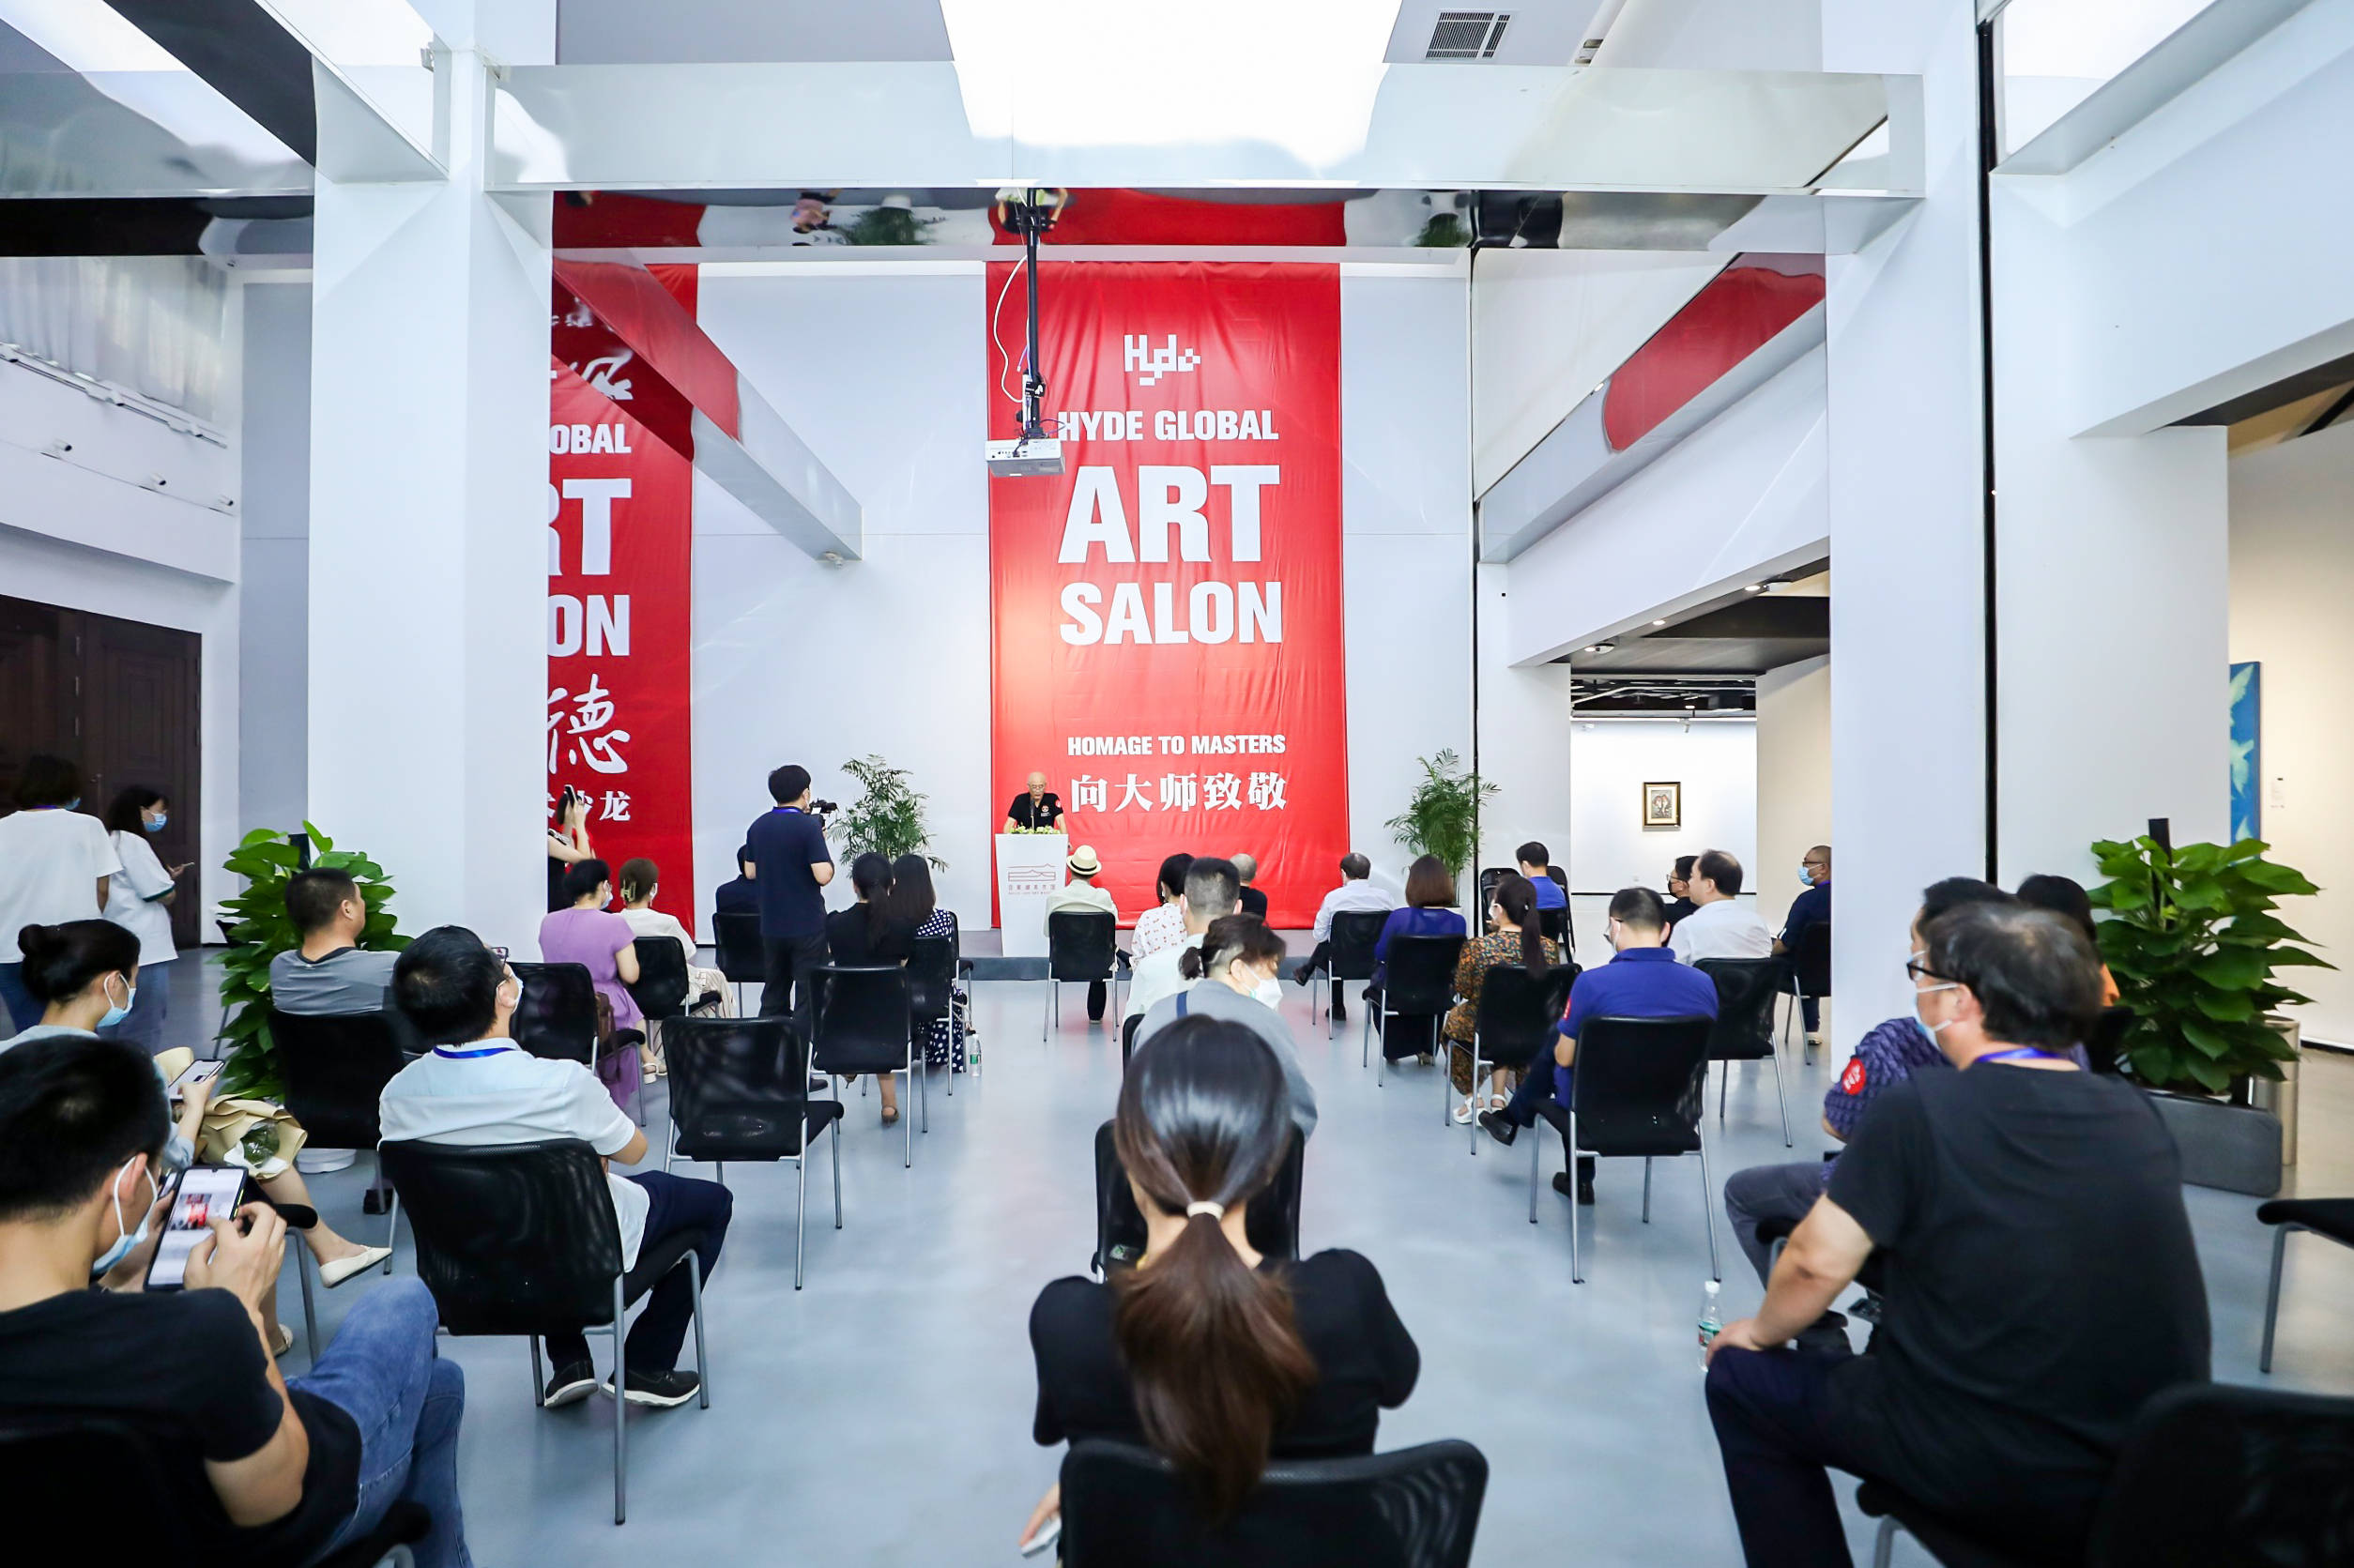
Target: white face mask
1269 991
1931 1030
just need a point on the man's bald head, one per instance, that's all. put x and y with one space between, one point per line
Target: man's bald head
1037 783
1246 867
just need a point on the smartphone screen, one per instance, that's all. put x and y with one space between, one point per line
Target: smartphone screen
205 1192
196 1073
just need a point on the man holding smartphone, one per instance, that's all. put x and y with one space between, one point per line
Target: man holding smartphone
289 1470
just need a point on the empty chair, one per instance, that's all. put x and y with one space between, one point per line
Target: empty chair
864 1024
661 984
1636 1092
1272 1222
556 1019
1125 1507
521 1238
1082 944
1810 971
1418 979
1354 932
1512 1029
335 1067
742 957
1747 990
740 1090
2333 1217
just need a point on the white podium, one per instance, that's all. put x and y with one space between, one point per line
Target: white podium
1030 869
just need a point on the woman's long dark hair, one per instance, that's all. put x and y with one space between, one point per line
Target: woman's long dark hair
870 876
1213 1356
122 814
911 900
1428 884
1173 876
1227 938
1516 897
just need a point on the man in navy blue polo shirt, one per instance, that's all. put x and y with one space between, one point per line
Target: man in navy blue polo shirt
1536 865
1811 907
1642 980
790 863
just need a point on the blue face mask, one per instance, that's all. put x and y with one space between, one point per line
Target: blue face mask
158 825
1806 877
127 1239
116 1015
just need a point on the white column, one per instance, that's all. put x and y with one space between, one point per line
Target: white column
1906 486
428 564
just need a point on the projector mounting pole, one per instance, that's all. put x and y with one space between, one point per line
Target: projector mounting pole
1029 216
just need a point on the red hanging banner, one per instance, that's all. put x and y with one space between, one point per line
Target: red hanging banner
618 624
1168 611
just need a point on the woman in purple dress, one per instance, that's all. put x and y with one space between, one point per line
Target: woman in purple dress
584 933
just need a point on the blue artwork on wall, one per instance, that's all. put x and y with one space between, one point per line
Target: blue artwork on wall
2247 773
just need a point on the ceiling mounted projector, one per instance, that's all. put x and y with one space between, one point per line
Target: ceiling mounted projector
1025 457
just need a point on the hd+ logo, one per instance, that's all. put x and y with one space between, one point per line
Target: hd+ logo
1153 361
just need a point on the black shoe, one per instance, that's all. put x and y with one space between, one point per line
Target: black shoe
1339 1014
571 1383
1585 1185
663 1388
1301 974
1500 1127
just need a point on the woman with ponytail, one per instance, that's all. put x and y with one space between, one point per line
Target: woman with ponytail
1515 936
1206 1352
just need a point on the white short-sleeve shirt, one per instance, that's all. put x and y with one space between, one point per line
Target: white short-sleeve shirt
130 898
495 1092
51 860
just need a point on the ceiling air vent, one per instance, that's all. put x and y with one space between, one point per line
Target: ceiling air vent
1467 34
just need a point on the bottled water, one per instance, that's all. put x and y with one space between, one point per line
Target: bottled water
1711 1319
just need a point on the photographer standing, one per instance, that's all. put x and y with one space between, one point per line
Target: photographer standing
789 864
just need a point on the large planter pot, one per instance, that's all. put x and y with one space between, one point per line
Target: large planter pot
2236 1147
2280 1098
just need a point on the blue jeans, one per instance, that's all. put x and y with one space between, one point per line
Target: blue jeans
23 1012
383 1372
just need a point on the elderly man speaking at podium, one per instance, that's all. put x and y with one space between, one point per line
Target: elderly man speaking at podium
1036 810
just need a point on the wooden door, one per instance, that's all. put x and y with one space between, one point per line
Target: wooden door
35 691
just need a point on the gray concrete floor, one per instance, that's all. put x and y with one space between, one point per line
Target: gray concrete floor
882 1415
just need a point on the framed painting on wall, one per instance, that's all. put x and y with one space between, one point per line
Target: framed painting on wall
2247 712
1663 805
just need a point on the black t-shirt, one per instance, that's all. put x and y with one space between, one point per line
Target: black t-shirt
1365 1360
851 937
2041 1286
187 1367
1047 811
1254 902
785 844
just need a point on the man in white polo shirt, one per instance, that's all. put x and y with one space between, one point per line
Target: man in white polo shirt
476 1086
1719 925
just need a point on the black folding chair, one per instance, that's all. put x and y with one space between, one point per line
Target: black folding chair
1353 934
933 970
103 1471
1272 1222
661 984
864 1024
2333 1217
521 1238
1082 944
558 1020
1746 991
1418 981
1512 1028
2106 1044
740 1090
1810 976
743 958
335 1067
1126 1507
1636 1093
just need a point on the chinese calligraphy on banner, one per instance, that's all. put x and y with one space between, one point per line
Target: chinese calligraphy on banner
1168 611
619 607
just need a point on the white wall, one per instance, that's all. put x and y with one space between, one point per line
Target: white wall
1716 762
2292 574
1794 779
1523 738
274 511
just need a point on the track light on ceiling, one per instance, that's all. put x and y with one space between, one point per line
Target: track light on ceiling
1755 588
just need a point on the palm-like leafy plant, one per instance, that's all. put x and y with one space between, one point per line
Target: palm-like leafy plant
888 819
2192 943
261 930
1442 817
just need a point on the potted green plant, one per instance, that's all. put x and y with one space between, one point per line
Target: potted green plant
888 818
260 930
1442 817
2193 942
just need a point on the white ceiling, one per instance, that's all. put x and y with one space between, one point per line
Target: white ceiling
631 31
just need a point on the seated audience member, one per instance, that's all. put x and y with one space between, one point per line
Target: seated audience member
2065 897
915 906
2023 1199
1081 892
1780 1195
1254 902
1537 864
587 934
1211 891
1234 977
1642 980
1679 893
84 973
328 973
739 894
1719 925
270 1470
1306 1354
1811 907
1164 924
1356 895
477 1087
641 880
1512 938
864 933
1428 911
